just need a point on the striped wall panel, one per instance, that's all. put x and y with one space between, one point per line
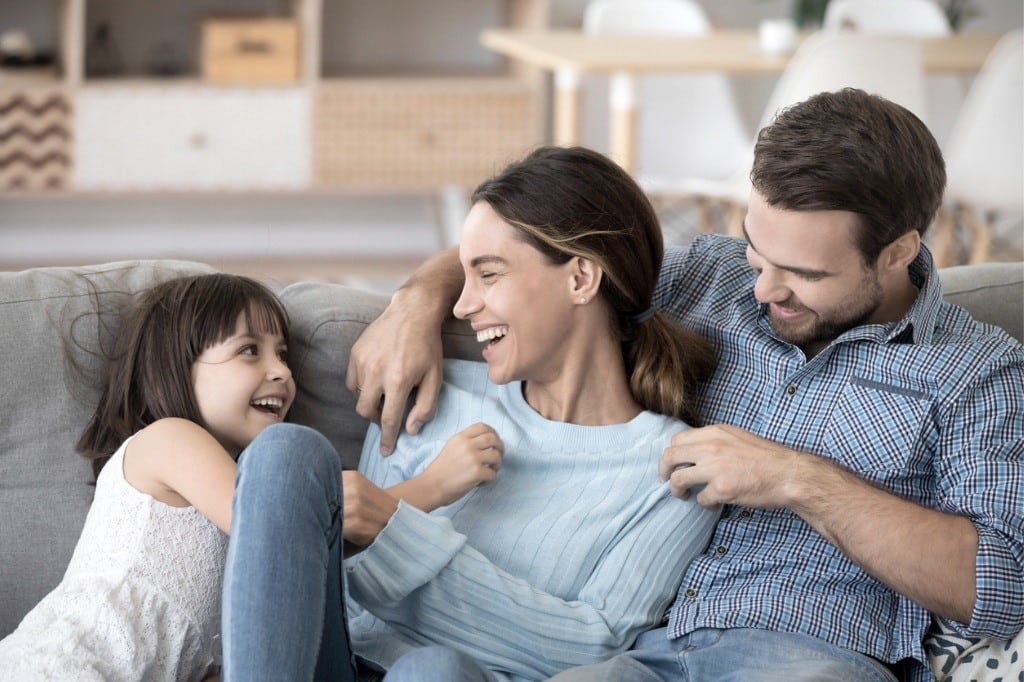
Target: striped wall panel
35 140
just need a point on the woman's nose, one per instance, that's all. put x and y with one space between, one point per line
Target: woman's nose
467 304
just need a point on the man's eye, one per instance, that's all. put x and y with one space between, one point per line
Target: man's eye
488 275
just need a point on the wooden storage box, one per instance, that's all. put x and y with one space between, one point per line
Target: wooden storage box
262 51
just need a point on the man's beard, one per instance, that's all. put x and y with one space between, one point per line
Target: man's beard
823 329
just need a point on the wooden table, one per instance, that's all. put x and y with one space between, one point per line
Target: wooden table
569 54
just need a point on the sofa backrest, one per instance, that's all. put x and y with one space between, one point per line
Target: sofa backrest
991 292
46 489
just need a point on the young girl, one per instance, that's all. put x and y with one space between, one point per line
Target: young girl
523 530
199 371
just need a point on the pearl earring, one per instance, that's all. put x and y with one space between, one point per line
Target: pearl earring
583 300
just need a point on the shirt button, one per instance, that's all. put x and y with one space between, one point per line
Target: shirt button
791 389
745 514
690 592
720 550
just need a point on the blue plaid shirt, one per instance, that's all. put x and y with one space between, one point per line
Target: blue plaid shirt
930 408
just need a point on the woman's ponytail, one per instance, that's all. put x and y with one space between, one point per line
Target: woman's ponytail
666 363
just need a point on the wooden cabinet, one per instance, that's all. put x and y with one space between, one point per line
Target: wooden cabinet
404 124
147 137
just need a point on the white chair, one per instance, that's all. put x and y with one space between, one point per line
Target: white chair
889 66
893 17
985 155
689 125
919 18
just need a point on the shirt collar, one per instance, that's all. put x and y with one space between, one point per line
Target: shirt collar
919 322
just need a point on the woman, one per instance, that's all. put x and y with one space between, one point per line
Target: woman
524 529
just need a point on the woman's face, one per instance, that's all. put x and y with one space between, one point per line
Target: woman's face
517 302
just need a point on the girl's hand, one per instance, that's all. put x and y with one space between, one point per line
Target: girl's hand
470 458
367 509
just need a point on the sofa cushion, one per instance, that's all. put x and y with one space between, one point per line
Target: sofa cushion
991 292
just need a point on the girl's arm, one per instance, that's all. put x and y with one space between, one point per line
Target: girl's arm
470 458
179 463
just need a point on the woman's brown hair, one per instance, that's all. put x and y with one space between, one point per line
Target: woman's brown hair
149 374
575 202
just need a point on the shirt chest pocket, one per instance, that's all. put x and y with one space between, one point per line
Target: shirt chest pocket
877 427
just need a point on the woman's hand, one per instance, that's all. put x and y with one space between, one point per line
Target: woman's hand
367 509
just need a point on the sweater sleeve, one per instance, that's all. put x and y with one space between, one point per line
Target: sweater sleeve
423 577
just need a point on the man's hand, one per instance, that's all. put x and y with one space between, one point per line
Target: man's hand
367 509
926 555
470 458
401 350
733 466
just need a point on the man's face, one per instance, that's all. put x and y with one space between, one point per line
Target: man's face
810 273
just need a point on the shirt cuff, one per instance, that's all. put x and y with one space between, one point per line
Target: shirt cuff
999 607
410 552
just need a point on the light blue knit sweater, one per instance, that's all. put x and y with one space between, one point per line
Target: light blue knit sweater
574 550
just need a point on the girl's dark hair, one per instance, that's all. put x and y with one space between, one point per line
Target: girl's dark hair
852 151
149 375
569 202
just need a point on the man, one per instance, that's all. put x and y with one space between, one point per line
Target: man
865 438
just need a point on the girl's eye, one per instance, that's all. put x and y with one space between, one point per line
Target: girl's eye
283 355
249 349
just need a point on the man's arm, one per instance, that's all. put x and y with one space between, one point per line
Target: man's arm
401 350
926 555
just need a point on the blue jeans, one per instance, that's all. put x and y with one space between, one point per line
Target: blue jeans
283 612
438 664
735 655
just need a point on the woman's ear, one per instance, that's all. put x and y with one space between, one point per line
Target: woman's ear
585 279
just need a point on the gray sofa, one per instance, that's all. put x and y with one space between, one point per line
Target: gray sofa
48 348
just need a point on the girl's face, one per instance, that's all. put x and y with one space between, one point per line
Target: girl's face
517 301
243 385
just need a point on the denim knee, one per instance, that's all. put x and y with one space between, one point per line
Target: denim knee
291 446
285 454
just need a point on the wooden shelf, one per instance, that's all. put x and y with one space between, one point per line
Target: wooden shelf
370 128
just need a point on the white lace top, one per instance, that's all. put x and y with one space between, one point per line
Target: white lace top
140 599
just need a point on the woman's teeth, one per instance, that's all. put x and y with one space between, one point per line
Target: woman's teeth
491 333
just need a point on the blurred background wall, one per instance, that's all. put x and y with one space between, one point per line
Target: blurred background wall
376 238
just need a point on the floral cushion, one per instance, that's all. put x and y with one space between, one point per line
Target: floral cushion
955 658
